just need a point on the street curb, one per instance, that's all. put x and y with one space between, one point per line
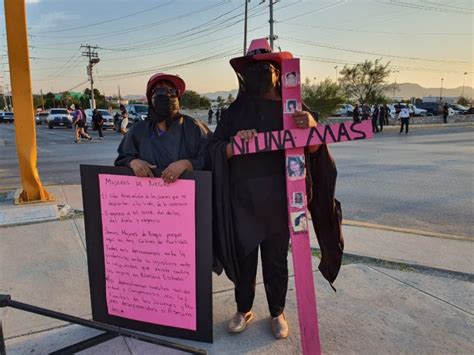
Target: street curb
348 222
349 258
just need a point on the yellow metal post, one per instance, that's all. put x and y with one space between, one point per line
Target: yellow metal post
25 127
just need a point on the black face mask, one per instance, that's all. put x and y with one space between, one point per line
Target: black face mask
164 107
258 83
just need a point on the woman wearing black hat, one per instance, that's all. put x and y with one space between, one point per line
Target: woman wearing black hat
166 140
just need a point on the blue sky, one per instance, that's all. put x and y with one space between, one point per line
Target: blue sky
424 40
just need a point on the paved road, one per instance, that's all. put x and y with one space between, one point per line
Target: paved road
424 180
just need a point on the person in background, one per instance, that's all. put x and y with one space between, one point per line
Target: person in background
383 116
356 114
375 119
209 115
404 116
97 122
365 112
218 115
123 120
84 118
387 114
78 121
445 112
166 140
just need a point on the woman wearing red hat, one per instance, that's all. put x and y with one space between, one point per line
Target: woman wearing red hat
250 203
167 139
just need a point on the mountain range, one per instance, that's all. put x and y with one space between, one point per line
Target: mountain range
404 90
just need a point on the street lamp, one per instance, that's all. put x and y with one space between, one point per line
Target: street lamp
336 73
463 83
441 91
314 81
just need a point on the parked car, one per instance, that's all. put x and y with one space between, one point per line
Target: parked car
460 109
344 110
6 117
137 112
41 118
417 111
452 112
59 117
432 108
108 119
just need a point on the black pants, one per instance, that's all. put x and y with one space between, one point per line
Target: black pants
445 118
405 122
99 129
381 122
375 128
274 252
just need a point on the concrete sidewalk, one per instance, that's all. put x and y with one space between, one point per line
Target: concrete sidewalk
377 309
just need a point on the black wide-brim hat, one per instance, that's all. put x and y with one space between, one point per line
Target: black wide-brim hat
259 50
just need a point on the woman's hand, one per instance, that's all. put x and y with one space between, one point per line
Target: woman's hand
175 170
304 119
247 134
142 168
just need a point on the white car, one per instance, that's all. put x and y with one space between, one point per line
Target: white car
344 110
108 119
417 111
414 111
59 117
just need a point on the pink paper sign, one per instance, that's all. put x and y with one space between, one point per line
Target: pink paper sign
299 138
149 249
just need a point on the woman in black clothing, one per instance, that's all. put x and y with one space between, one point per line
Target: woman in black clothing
167 140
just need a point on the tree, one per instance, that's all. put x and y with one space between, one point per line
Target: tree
49 100
100 100
204 102
323 98
190 99
365 82
220 101
230 99
463 101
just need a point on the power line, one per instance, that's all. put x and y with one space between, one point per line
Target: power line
172 66
76 86
448 6
376 32
322 45
108 34
346 62
60 70
107 21
424 7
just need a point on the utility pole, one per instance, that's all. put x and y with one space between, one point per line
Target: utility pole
245 26
91 53
395 85
271 21
463 83
441 91
42 99
336 73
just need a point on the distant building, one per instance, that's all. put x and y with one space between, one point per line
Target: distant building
449 100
